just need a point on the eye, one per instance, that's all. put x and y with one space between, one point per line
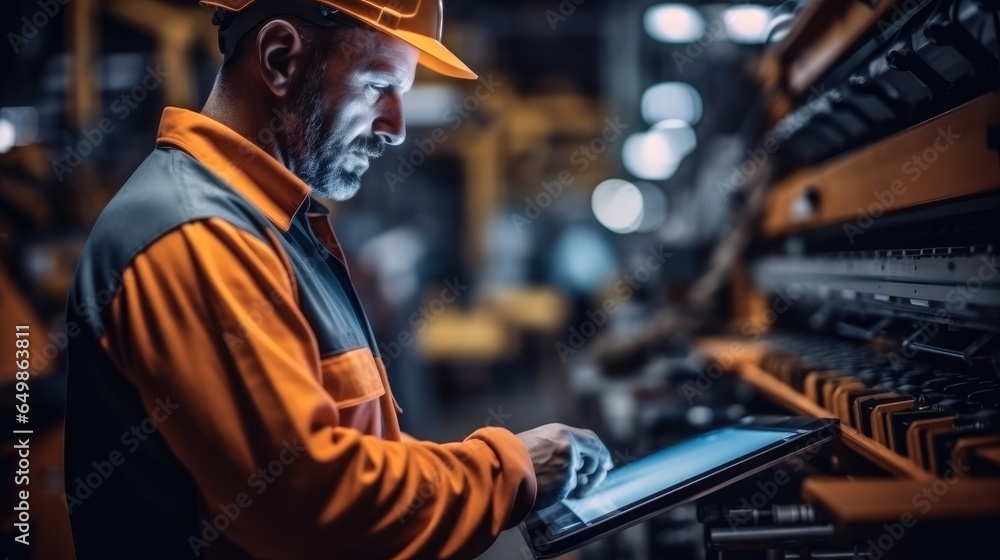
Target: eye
378 90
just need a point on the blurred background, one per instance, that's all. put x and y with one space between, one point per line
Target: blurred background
577 188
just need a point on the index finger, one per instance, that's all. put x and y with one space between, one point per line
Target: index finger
594 449
596 456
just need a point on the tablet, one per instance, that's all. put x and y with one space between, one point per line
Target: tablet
670 477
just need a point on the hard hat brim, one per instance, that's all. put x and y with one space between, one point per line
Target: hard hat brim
433 54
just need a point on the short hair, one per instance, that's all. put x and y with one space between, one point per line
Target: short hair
319 43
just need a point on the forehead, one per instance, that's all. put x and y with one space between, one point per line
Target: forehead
376 53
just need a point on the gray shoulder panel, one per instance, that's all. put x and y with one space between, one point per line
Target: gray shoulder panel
168 190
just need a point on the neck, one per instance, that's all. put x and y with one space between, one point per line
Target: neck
222 107
239 113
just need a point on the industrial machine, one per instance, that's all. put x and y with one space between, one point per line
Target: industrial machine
863 283
870 291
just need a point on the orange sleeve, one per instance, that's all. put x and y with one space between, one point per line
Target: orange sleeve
258 402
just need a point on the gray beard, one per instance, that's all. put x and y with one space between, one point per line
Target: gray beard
312 155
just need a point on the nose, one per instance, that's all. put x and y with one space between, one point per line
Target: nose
389 125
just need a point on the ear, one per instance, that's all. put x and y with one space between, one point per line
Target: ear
280 55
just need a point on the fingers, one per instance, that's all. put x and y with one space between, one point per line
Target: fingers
567 461
572 482
589 444
596 456
593 483
589 463
595 461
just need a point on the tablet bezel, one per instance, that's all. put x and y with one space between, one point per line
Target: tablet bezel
543 546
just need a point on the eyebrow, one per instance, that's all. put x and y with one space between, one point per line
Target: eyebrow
384 71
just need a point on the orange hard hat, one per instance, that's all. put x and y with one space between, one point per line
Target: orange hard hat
415 22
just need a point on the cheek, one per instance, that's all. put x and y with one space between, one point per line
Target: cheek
356 113
344 116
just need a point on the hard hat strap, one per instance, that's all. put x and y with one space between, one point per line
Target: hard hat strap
234 25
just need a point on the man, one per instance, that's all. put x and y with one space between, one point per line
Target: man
226 398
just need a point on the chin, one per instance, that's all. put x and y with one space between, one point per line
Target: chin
339 190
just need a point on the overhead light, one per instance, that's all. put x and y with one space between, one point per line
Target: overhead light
656 154
671 100
747 24
679 134
8 135
583 259
654 206
618 205
648 156
674 23
18 127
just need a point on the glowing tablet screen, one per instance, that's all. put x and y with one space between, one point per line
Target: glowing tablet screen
661 470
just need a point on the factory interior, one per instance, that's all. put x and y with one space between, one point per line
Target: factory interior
647 219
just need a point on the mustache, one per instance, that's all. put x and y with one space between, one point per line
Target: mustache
371 146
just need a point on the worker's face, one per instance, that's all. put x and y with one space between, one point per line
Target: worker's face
347 108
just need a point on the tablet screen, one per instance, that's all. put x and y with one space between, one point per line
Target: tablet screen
661 470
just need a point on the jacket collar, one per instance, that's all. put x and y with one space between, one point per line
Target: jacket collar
251 171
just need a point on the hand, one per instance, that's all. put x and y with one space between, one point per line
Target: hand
566 460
